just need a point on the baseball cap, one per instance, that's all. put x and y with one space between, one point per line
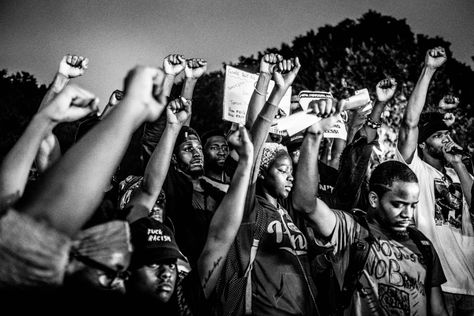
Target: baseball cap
430 123
184 133
153 242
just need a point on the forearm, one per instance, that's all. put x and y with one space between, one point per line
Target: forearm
16 165
73 188
336 152
230 211
258 99
49 152
375 115
157 168
465 179
187 93
307 177
58 84
418 97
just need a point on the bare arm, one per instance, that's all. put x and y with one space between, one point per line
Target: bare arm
195 68
460 168
71 66
437 306
159 163
227 219
258 98
408 133
16 165
72 189
307 176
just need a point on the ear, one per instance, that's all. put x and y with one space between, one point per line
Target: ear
422 146
373 199
174 160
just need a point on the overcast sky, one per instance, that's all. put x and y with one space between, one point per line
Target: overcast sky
116 35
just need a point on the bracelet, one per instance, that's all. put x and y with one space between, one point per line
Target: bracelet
372 124
258 92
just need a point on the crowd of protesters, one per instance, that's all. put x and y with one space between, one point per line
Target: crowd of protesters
238 221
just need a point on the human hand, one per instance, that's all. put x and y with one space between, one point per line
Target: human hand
143 85
358 117
268 62
195 68
72 66
173 64
328 110
285 73
449 119
241 143
71 104
448 102
435 57
449 144
385 89
178 111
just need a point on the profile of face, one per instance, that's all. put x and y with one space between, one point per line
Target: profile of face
434 144
278 178
155 282
216 151
395 208
189 157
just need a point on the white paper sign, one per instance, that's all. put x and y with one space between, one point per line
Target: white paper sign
238 88
338 130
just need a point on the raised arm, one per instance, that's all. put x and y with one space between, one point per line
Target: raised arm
258 98
156 170
195 68
460 168
71 66
16 165
173 65
307 176
226 220
408 132
72 189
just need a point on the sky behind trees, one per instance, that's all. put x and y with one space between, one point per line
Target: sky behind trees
116 35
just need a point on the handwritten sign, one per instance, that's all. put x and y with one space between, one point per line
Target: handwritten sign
338 130
238 88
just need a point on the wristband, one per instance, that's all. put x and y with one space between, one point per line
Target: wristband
372 124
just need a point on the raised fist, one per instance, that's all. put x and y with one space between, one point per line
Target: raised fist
240 141
285 72
328 110
178 111
448 102
72 66
385 89
435 57
195 68
449 119
144 86
173 64
71 104
268 62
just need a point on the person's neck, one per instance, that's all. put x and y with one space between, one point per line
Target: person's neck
271 199
434 162
217 175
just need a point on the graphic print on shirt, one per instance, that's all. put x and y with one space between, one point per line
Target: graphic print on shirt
448 202
287 235
397 276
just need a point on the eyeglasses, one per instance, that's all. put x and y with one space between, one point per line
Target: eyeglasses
109 276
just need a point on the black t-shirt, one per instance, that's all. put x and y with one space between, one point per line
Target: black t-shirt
191 208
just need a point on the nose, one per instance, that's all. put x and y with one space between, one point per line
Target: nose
408 211
196 152
164 273
290 177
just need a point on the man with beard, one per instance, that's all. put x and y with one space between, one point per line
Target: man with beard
443 211
215 152
400 273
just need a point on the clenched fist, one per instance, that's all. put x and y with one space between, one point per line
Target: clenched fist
72 66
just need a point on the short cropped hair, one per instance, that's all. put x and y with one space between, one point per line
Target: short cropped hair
388 172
